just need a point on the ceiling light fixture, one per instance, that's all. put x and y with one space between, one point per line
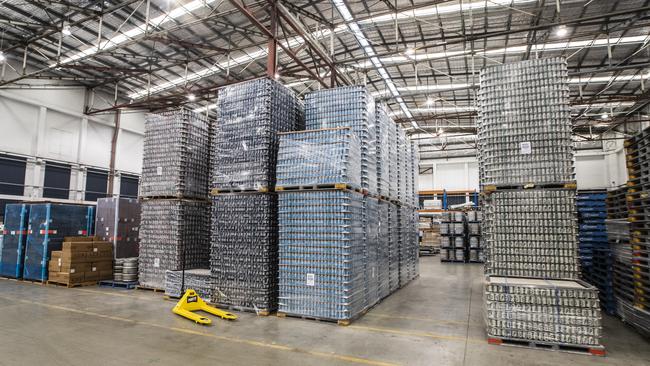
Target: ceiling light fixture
66 29
561 31
604 116
277 76
191 97
2 57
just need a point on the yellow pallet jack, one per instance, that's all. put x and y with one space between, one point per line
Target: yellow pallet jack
191 302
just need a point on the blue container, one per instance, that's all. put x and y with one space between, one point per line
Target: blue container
49 223
12 252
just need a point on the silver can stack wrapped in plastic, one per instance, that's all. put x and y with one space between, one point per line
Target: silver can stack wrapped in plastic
532 293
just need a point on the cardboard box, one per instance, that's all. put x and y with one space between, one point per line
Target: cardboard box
102 246
68 278
101 266
80 238
76 246
105 275
91 276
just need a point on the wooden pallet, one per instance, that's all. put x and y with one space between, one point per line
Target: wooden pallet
342 322
127 285
146 288
215 191
548 346
71 285
313 187
496 188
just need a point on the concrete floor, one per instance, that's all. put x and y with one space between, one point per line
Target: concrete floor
436 320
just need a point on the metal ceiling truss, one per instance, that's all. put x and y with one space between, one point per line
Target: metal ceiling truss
203 45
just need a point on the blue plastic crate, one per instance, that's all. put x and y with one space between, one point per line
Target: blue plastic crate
12 252
49 223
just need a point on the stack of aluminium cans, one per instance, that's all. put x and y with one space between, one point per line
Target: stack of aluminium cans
173 236
383 248
245 143
174 164
531 233
322 254
174 225
529 211
524 134
319 157
549 311
244 251
350 106
382 125
371 239
394 231
392 162
198 280
244 242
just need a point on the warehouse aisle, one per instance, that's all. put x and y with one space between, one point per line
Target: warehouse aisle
437 319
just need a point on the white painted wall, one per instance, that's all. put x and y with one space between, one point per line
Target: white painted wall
594 169
48 123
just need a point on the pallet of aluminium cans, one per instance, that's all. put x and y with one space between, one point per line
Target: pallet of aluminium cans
562 312
14 237
118 222
48 225
198 280
349 106
322 254
382 125
383 244
244 251
319 158
176 144
245 142
174 234
371 236
394 231
531 233
535 143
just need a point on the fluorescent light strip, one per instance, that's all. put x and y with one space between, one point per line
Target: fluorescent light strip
138 30
447 9
514 49
370 51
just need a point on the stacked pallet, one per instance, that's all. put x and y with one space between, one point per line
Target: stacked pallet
344 245
460 239
245 140
352 107
637 149
82 260
596 259
14 238
529 211
118 221
174 185
198 280
244 244
323 157
49 224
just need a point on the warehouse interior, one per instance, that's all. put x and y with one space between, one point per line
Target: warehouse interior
387 182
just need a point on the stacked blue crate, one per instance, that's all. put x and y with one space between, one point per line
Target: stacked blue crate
596 257
322 268
49 223
12 250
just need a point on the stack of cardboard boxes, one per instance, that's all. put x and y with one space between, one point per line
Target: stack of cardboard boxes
82 260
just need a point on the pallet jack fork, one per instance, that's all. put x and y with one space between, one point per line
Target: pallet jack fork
191 302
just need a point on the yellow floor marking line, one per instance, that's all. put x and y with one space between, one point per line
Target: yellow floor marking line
279 347
416 334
